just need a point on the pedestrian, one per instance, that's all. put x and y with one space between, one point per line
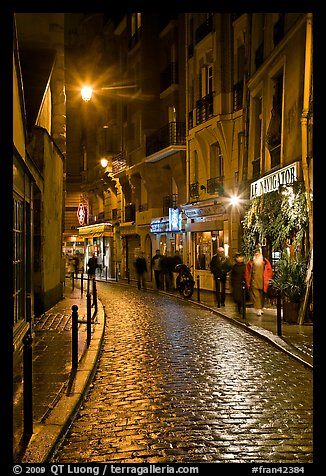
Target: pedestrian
71 267
141 269
237 278
220 265
76 264
258 273
157 268
92 265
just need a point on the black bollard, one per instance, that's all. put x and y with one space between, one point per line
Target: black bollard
198 288
106 273
278 313
28 385
128 275
74 338
81 283
89 318
243 300
73 280
218 292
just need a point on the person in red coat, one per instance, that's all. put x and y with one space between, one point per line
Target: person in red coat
258 273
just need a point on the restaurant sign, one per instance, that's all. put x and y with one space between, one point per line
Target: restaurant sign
285 176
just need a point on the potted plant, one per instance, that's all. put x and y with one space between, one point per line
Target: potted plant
290 280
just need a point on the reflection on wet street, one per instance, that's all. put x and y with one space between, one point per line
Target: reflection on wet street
177 383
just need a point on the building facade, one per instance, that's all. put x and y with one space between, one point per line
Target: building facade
194 113
38 177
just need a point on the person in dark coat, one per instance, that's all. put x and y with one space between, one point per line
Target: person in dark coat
157 268
92 265
220 265
141 269
237 278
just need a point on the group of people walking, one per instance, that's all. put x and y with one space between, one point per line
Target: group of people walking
255 275
163 267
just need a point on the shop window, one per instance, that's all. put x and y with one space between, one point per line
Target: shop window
206 243
18 260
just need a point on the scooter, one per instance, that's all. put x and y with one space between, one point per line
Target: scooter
185 282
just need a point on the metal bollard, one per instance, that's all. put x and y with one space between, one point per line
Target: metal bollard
218 291
73 280
106 273
278 313
28 384
89 318
74 338
243 300
81 283
94 296
198 288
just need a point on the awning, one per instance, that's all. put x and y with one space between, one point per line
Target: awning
96 230
201 209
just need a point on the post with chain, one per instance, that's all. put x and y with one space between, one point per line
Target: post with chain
198 287
244 301
218 291
279 313
28 384
74 338
89 318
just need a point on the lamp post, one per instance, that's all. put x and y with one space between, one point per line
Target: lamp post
234 202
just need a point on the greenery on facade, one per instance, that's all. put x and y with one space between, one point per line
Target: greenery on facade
280 217
290 278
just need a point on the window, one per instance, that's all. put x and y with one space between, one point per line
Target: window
257 136
273 136
206 244
216 161
18 260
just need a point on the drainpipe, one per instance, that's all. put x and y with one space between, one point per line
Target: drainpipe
305 118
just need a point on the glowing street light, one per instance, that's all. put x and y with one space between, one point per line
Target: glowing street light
104 162
86 93
234 200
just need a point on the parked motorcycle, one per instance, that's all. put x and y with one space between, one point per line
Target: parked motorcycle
185 282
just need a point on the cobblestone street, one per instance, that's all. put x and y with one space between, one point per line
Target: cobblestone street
177 383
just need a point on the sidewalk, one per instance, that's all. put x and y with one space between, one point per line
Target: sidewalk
58 391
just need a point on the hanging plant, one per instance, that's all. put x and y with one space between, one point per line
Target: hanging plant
278 216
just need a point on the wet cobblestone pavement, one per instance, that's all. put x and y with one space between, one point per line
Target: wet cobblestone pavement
177 383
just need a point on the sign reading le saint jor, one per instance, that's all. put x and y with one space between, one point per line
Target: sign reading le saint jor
270 183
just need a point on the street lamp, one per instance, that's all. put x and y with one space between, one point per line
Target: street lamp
104 162
86 93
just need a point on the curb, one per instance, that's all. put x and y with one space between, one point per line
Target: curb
48 434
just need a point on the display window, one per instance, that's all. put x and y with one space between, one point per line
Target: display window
206 244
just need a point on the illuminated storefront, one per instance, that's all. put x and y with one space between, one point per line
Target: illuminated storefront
169 232
98 239
207 229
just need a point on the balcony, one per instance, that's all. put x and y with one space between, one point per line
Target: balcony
204 108
215 185
194 191
169 76
119 163
171 136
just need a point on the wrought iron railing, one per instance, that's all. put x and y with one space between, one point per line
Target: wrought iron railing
173 133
